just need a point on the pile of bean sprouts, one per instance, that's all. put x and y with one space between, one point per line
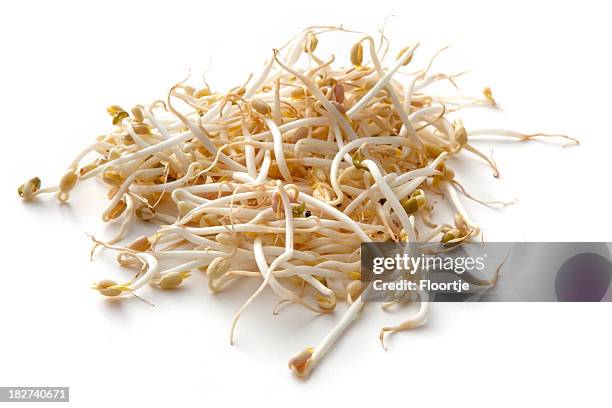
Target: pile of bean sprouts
281 179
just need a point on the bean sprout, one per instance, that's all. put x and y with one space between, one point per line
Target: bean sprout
282 178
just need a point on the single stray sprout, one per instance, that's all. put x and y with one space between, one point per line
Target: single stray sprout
282 177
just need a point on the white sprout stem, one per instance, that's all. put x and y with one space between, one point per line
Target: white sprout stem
152 267
381 83
265 167
409 91
287 255
332 211
391 199
186 266
397 105
179 154
87 150
140 154
349 317
249 152
454 197
279 155
126 185
252 89
416 176
378 140
331 109
404 190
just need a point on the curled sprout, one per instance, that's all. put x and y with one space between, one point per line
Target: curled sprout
282 177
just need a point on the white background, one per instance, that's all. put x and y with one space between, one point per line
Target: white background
64 63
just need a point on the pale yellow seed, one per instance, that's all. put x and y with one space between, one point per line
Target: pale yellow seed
68 181
299 93
112 192
141 244
200 93
413 204
218 267
112 177
357 54
107 287
355 275
451 235
114 109
238 91
141 129
210 219
172 280
119 116
299 362
138 114
87 168
261 107
127 139
326 303
354 288
433 150
224 238
401 53
311 43
28 190
461 224
489 95
116 211
145 213
460 133
113 154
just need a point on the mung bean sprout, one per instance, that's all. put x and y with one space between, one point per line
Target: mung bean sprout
281 178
